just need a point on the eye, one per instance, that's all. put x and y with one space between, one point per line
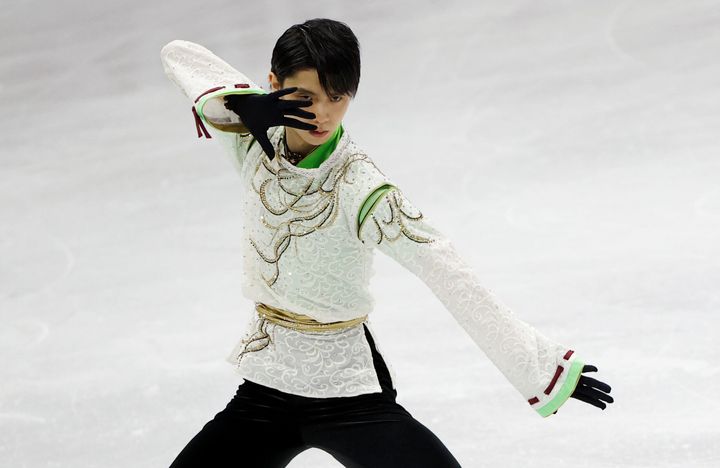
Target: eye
337 98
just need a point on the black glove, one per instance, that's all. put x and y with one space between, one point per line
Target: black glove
258 112
591 390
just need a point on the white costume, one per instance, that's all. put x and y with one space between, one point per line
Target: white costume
308 241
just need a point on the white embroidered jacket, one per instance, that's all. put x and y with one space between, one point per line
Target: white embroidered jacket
308 242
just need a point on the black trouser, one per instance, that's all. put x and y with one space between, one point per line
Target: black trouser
264 427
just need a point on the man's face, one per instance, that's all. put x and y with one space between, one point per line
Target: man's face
329 110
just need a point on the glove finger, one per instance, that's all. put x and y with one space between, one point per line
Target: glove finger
589 400
282 92
230 102
299 113
596 383
266 146
288 122
589 368
595 394
293 103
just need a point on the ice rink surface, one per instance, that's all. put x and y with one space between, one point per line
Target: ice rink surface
570 149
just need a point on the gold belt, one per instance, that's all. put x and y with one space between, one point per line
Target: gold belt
302 322
260 339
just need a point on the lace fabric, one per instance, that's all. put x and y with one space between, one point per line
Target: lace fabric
314 364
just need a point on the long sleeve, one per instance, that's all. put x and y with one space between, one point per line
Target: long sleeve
543 371
205 79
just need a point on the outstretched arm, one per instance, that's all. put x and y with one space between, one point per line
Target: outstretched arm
546 373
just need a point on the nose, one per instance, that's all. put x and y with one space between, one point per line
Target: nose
322 115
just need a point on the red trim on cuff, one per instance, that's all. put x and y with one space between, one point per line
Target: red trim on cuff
558 371
208 91
568 354
533 400
199 126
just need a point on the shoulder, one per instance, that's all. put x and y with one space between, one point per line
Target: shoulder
357 171
363 185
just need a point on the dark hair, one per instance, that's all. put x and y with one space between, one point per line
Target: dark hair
326 45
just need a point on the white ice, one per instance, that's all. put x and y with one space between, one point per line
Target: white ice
570 149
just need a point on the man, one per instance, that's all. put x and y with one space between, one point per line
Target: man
316 207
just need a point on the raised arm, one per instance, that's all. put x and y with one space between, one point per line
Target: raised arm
206 79
545 373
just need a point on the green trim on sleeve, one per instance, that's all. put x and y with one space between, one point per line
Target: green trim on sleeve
568 387
369 204
235 128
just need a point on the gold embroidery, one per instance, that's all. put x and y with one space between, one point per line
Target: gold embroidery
321 206
257 341
394 202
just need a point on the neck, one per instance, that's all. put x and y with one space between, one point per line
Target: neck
297 144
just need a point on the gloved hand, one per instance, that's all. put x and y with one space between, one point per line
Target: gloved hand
261 111
591 390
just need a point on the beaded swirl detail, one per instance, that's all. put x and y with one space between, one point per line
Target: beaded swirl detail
296 212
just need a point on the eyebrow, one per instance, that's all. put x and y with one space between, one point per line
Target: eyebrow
303 90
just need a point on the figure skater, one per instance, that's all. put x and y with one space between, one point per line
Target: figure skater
316 207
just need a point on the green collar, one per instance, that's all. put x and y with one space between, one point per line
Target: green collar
322 152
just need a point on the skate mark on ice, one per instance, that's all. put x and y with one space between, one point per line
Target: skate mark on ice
707 205
24 417
32 263
25 332
611 39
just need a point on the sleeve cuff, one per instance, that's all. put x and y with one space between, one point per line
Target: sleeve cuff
210 108
566 389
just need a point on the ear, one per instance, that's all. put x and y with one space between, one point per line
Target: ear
274 82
